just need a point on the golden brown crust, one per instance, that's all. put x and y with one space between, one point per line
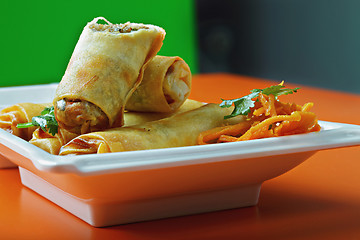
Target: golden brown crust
106 67
52 144
20 113
176 131
164 88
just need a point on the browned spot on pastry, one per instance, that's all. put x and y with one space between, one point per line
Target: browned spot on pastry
119 120
169 99
82 74
170 70
91 81
79 143
98 62
127 77
43 134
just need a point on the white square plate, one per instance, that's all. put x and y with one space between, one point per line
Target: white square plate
117 188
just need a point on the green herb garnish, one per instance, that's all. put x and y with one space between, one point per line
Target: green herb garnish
243 105
46 121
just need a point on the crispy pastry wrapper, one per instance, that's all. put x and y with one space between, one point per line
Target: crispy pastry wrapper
165 86
176 131
106 66
134 118
52 144
20 113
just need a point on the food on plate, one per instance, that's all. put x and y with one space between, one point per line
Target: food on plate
11 116
105 68
133 118
257 115
266 117
176 131
117 95
165 86
46 121
52 143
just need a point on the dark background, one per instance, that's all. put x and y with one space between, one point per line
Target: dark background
312 42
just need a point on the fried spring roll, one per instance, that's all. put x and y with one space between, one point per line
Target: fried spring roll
165 86
176 131
134 118
52 144
105 68
20 113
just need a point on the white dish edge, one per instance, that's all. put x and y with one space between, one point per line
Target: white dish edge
332 135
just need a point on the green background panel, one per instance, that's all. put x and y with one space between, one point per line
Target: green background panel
38 37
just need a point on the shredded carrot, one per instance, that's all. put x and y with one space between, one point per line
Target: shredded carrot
263 128
307 107
227 138
268 118
268 104
259 111
232 130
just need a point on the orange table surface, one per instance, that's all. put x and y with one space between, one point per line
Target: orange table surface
319 199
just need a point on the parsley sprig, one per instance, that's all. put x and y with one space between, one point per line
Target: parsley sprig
46 121
243 104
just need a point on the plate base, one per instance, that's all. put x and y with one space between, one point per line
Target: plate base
118 212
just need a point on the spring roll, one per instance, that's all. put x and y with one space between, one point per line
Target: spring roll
52 144
134 118
176 131
106 66
20 113
165 86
